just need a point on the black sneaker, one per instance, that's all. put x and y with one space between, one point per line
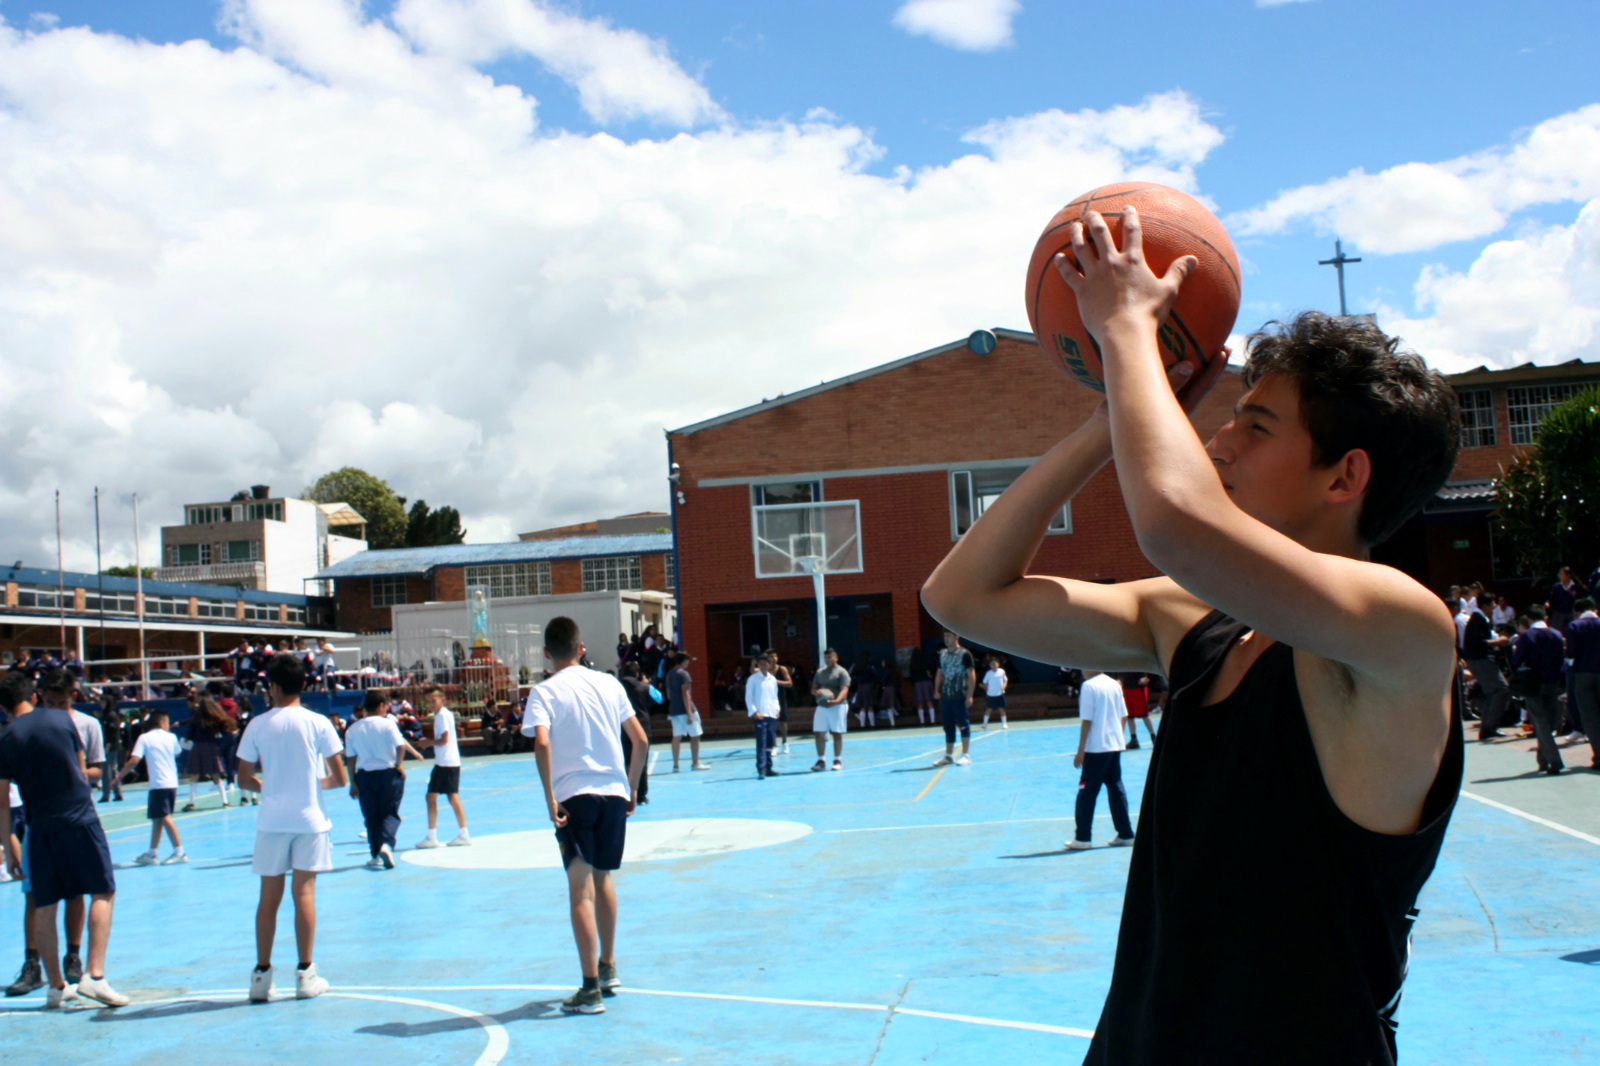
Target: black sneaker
584 1001
29 978
609 981
1133 745
72 969
819 766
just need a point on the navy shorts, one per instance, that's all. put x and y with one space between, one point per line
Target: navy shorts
996 703
19 823
445 780
161 802
596 829
69 860
955 716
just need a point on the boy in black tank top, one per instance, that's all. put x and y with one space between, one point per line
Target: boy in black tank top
1308 684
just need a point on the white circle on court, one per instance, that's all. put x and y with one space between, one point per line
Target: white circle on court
672 838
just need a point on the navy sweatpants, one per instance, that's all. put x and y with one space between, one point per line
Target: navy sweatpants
1102 768
380 793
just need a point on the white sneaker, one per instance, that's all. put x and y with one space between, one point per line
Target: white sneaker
307 985
386 857
5 876
429 842
786 749
1003 724
1121 842
964 760
375 863
361 835
462 841
177 858
261 985
149 858
1078 845
61 998
944 760
838 764
98 988
700 766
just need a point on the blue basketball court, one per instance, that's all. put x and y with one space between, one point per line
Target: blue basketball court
890 913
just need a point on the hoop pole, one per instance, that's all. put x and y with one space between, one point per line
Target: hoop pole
819 585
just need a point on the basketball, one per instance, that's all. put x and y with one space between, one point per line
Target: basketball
1174 224
824 695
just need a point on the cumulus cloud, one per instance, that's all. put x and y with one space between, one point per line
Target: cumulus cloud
1535 298
1417 206
224 267
970 25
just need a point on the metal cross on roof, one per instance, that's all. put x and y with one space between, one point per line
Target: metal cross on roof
1337 262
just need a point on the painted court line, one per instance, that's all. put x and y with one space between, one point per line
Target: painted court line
1557 826
953 825
1034 1027
929 786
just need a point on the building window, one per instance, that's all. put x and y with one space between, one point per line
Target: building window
511 579
261 612
111 602
203 516
1477 418
168 605
786 492
272 511
388 591
241 551
1528 405
189 555
972 491
671 559
612 575
297 616
46 599
217 609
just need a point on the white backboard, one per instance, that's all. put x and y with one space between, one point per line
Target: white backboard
795 539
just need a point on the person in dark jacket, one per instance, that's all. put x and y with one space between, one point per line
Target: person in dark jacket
1542 650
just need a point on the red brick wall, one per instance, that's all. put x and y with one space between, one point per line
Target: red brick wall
953 408
353 603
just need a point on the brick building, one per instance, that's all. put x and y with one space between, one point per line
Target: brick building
368 585
1500 410
924 441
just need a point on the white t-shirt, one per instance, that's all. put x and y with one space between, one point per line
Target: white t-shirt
291 745
584 710
761 695
446 752
159 749
995 682
1503 616
373 742
1100 704
1462 619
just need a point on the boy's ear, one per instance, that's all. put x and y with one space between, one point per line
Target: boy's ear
1351 476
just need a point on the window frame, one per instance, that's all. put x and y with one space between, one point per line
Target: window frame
391 584
506 580
1482 431
963 486
1526 412
608 567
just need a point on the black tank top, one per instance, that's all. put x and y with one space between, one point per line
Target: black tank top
1261 924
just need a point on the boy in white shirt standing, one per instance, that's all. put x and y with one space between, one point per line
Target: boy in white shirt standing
289 755
994 692
761 700
159 748
377 751
576 718
1100 745
446 777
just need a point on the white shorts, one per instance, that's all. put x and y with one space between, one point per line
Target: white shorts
684 726
278 853
835 719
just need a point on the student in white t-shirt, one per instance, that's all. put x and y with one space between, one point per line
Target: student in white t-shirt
576 719
1103 710
159 749
994 692
446 777
376 751
289 755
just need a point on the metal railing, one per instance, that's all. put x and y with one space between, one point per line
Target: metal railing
207 573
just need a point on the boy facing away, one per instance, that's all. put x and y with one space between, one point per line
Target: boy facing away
159 748
576 718
1310 685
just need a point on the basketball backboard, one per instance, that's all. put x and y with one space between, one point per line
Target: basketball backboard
798 539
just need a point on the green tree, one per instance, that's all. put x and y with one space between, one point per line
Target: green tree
1548 501
129 571
425 528
371 496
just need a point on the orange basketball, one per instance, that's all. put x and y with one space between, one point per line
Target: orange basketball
1174 224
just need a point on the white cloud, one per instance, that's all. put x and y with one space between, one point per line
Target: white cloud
1535 298
1416 206
223 268
970 25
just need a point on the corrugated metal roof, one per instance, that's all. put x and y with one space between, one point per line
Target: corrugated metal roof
399 562
1482 489
46 579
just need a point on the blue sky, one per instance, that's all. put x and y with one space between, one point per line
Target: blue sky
573 197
